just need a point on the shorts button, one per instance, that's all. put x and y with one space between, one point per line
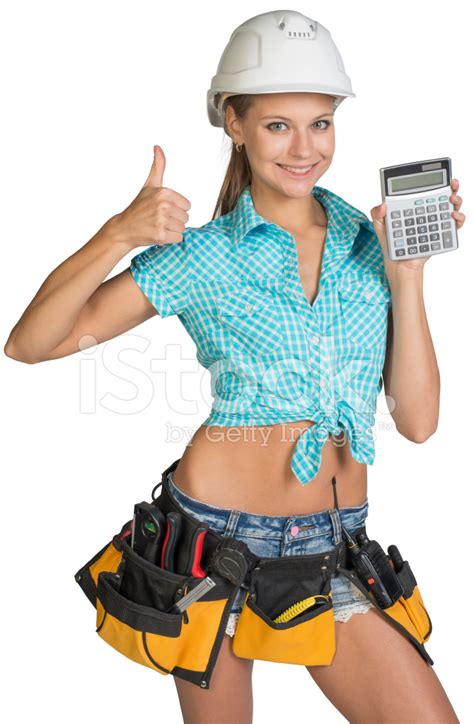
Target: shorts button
294 530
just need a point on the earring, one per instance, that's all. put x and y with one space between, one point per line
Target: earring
238 147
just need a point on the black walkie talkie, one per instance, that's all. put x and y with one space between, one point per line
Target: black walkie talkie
372 564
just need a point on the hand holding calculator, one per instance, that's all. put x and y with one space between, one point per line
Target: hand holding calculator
418 220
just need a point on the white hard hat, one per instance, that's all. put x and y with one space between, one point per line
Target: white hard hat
278 52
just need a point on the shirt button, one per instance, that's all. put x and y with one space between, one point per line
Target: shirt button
248 307
368 294
315 338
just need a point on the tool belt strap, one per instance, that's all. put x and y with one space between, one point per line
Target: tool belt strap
231 558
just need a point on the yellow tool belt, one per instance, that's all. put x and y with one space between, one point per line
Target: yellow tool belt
287 615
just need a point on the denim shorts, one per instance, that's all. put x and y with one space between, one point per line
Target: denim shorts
273 536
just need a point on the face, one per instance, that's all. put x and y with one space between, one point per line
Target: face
287 129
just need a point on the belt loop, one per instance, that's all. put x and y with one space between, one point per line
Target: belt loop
336 525
232 523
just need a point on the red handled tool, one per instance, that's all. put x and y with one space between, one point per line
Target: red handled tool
173 528
193 567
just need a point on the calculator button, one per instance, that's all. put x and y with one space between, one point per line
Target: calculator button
407 212
431 207
411 241
444 206
399 252
435 247
434 237
395 214
422 229
419 201
420 210
434 227
413 250
430 200
409 222
446 225
424 247
444 215
411 231
432 217
422 239
396 224
421 220
397 234
442 198
447 236
399 242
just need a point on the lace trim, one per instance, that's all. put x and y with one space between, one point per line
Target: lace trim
344 614
232 623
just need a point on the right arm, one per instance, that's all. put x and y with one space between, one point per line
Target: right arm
74 308
74 303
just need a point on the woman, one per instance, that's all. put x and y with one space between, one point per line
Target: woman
272 292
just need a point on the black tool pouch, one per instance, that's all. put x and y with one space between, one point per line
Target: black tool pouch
288 615
133 598
133 617
408 614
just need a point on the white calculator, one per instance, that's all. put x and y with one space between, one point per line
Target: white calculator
418 221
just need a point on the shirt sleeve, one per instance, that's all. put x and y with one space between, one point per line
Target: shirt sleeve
163 275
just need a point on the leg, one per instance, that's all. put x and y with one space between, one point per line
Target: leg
378 677
229 697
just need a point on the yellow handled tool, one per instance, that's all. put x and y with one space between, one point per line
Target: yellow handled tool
299 607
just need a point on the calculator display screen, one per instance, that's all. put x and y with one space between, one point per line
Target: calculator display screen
417 181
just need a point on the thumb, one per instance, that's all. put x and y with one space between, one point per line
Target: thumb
155 177
378 216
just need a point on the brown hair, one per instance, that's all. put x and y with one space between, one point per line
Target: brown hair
239 173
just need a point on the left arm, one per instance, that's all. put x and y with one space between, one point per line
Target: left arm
410 373
411 376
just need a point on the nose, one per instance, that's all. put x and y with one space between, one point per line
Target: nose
301 146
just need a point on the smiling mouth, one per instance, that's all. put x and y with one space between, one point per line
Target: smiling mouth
297 170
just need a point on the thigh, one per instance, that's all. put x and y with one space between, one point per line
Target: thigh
229 697
378 677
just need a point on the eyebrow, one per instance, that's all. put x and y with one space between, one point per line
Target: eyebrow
275 115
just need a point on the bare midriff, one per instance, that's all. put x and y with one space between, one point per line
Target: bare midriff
248 469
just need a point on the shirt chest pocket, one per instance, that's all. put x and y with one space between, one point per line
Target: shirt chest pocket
364 306
252 322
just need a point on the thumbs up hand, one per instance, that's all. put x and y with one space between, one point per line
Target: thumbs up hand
157 215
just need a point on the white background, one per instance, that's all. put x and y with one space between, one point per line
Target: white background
87 89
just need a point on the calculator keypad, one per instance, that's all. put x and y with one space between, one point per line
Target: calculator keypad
422 227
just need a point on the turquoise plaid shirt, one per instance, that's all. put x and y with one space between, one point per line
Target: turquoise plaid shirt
273 357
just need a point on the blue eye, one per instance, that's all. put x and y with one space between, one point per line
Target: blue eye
280 123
